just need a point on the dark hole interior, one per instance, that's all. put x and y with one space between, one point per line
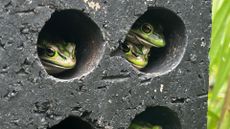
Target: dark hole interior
162 60
75 26
72 123
159 115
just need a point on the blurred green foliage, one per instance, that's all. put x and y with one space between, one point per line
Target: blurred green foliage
219 92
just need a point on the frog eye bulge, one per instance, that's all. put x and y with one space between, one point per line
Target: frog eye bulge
147 28
50 52
125 48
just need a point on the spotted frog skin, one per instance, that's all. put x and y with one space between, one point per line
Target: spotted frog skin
139 41
57 57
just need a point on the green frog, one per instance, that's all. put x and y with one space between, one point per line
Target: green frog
139 41
57 57
143 125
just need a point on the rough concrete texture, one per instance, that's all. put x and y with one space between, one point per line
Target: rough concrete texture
107 92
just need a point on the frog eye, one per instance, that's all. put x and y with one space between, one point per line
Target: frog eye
50 52
147 28
125 48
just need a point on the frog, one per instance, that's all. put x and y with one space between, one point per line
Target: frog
143 125
57 56
139 41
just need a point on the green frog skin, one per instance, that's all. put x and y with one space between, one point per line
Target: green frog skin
139 41
57 57
143 125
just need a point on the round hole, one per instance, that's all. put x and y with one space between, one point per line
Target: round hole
157 116
170 27
66 28
72 123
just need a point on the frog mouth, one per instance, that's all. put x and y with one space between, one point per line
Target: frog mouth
138 39
137 61
48 63
144 42
137 65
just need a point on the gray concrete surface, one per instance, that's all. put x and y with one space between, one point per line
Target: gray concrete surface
107 92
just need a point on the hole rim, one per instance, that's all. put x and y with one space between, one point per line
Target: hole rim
93 46
163 66
73 122
159 112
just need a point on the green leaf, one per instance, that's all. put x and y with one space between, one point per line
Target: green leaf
219 69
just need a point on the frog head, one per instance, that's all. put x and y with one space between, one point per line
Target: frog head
139 41
57 56
147 34
136 54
